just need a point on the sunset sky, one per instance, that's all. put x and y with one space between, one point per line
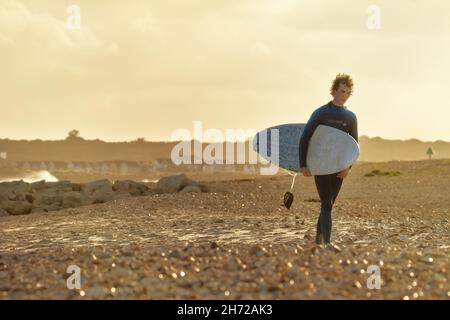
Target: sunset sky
146 68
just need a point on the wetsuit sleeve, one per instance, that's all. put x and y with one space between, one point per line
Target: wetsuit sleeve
354 130
311 125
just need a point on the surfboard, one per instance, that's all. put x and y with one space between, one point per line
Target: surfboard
330 150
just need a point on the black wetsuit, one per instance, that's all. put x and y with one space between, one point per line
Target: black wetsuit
328 186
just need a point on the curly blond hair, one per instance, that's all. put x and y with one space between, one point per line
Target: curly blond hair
344 79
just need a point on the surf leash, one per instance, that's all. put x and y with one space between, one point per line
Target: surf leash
289 196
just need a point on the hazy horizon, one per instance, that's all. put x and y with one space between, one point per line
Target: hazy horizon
206 141
147 68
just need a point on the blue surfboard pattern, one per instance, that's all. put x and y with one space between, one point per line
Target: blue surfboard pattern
287 155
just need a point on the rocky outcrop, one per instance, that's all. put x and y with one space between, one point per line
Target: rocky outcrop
19 197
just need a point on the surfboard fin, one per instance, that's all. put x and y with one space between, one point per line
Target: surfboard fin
288 196
288 199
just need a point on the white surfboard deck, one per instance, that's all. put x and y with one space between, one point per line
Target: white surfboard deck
330 150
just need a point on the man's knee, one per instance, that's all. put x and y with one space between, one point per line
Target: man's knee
326 207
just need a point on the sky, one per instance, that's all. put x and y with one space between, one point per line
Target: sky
148 68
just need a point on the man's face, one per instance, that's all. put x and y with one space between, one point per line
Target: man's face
342 94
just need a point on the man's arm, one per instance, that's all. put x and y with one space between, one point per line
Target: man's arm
354 130
311 125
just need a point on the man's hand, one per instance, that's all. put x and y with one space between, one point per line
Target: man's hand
343 174
305 172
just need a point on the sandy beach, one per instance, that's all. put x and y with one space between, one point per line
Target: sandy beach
238 241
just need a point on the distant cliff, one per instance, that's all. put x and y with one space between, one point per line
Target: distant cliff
378 149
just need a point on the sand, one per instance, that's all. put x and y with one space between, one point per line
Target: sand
239 242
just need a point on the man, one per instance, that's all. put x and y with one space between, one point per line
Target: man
336 115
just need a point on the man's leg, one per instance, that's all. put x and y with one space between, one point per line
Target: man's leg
319 237
336 184
324 188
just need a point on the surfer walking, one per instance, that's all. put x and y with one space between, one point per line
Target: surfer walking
336 115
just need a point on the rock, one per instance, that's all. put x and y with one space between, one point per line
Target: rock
57 187
29 197
17 207
75 199
149 192
38 210
53 207
3 213
60 184
77 187
48 190
38 185
132 187
7 196
22 197
191 188
103 185
47 199
102 196
17 197
3 198
172 184
15 187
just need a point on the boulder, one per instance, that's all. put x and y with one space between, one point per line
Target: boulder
3 213
38 210
22 197
10 189
149 192
17 186
77 187
131 187
29 197
16 197
59 184
38 185
191 188
52 207
75 199
58 187
16 207
102 196
47 199
103 185
176 183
